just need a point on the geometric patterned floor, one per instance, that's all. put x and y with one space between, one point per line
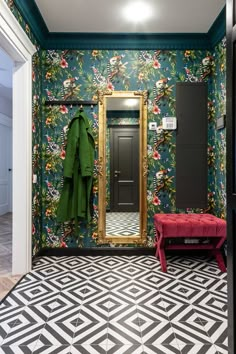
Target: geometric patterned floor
118 305
122 224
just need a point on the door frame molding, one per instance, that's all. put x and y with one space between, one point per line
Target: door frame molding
18 46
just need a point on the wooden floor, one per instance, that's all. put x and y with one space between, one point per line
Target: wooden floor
7 281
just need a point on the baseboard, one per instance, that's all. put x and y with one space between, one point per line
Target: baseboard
96 251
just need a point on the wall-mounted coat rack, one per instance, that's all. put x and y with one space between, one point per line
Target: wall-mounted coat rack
71 103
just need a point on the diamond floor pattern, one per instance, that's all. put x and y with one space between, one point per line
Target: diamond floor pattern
119 305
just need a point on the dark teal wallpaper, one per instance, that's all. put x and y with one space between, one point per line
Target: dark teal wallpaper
20 19
218 146
78 75
36 153
36 132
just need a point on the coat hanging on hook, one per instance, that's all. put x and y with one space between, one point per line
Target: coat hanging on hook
74 203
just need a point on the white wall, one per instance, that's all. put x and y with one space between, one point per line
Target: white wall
6 68
6 106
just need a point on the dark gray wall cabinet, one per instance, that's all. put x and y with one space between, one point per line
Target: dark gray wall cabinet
191 145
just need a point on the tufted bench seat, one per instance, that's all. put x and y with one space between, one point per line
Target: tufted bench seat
189 232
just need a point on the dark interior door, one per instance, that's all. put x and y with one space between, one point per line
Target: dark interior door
124 168
231 166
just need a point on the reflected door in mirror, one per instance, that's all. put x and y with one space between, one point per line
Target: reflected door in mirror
124 172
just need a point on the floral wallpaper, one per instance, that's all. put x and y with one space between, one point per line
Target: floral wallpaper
78 74
218 146
36 153
20 19
75 74
36 131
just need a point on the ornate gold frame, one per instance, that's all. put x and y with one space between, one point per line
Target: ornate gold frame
103 238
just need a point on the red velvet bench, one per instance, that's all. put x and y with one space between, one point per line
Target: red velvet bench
189 228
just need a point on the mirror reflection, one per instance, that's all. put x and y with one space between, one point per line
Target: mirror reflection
122 166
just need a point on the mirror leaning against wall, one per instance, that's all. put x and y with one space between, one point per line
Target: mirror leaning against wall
122 164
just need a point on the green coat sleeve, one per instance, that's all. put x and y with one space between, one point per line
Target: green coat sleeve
86 165
71 148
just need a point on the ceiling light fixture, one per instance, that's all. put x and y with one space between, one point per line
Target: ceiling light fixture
137 11
131 102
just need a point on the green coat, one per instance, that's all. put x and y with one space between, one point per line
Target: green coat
78 171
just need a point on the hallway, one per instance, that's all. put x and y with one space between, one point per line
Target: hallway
5 243
118 305
7 281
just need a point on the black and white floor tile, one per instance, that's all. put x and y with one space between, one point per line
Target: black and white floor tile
122 224
119 305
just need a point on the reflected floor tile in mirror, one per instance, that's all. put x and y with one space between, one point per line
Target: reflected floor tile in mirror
122 224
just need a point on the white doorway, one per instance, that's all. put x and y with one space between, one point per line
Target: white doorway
6 67
17 45
5 165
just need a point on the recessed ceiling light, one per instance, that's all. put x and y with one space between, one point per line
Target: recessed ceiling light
131 102
137 11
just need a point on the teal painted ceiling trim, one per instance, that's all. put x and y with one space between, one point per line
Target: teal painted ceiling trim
31 14
126 41
218 29
123 41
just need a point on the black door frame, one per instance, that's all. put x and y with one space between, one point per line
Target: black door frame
230 165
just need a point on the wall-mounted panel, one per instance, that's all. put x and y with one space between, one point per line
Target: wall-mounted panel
191 145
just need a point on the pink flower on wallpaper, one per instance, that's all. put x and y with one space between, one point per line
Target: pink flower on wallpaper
110 86
33 229
63 64
156 64
63 109
156 110
33 128
156 201
33 76
63 154
48 92
156 155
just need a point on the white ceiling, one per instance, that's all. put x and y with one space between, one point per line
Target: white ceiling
168 16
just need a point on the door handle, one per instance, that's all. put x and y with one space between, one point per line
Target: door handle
116 172
9 169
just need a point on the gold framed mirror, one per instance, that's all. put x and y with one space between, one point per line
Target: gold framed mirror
122 184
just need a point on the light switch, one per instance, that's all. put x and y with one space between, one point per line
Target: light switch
152 126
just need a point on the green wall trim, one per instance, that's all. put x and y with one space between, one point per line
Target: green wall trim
122 41
218 29
31 14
